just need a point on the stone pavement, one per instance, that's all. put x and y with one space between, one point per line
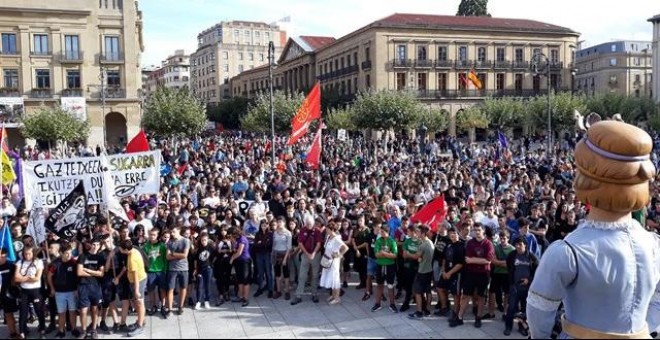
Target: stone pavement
277 319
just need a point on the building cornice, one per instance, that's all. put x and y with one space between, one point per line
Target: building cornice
23 10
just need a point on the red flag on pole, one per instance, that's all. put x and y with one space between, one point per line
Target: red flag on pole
314 153
309 111
432 214
3 139
139 143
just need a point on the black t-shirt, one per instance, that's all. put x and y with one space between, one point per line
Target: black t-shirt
440 244
92 262
65 275
454 254
371 240
7 272
204 256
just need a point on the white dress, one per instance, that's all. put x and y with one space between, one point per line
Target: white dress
330 277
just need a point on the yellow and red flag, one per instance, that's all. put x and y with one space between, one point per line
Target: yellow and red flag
3 139
309 111
475 80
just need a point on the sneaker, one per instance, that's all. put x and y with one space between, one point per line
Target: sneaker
404 307
135 332
287 296
237 299
258 293
427 313
416 315
500 308
507 331
270 294
345 284
76 333
190 301
220 302
152 311
296 301
60 335
52 328
198 305
123 328
477 323
523 331
167 314
442 312
94 335
179 311
366 296
163 311
277 295
334 301
393 308
455 323
104 328
376 307
360 286
315 299
207 305
398 294
488 316
245 303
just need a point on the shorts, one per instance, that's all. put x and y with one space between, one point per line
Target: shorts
124 289
475 283
9 305
386 273
280 268
372 267
453 285
142 285
499 283
422 283
177 276
89 295
242 268
156 280
66 301
109 291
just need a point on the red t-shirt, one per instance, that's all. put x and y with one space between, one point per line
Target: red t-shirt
484 250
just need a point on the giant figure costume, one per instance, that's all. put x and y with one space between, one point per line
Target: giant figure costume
606 272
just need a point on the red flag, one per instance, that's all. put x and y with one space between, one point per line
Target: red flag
139 143
463 79
182 169
267 147
3 139
432 213
314 153
308 112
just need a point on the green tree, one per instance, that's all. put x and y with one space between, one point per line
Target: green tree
505 113
385 110
341 118
473 8
632 110
284 107
52 124
174 113
470 119
435 120
229 112
563 106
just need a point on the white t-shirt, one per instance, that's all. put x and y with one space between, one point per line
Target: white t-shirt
29 269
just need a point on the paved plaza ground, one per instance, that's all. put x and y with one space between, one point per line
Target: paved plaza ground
277 319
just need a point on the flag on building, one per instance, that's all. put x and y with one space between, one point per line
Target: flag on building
70 215
462 79
474 79
309 111
432 213
7 243
139 143
314 153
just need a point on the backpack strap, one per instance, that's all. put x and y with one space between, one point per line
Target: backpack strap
577 264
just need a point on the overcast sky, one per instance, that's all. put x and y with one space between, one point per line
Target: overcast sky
174 24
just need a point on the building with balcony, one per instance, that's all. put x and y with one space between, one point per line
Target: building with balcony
428 53
173 73
54 49
656 56
227 49
295 70
621 67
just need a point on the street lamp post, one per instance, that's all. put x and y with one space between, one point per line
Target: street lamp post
102 77
271 62
541 66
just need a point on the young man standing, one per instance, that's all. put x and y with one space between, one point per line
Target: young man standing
499 284
422 284
410 266
479 252
63 283
521 265
385 250
453 261
90 270
177 255
156 251
137 277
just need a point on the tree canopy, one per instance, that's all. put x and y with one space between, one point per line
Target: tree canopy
173 113
473 8
52 124
385 110
284 107
229 112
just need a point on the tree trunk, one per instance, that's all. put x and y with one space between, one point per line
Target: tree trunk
472 134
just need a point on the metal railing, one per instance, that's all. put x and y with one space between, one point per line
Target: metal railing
41 93
366 64
71 56
474 93
112 57
72 93
9 92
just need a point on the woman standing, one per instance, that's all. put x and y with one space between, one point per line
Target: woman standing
334 250
263 248
203 271
346 237
241 261
282 245
28 275
222 267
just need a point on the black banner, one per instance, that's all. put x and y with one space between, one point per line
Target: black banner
70 215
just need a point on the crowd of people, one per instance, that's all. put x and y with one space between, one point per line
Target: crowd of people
227 227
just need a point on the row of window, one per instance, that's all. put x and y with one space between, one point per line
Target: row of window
462 53
341 62
404 81
43 78
225 56
41 45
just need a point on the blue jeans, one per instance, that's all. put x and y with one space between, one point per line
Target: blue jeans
264 268
203 281
517 302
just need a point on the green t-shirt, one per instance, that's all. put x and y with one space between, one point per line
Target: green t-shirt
426 250
387 245
502 254
410 245
639 216
157 255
